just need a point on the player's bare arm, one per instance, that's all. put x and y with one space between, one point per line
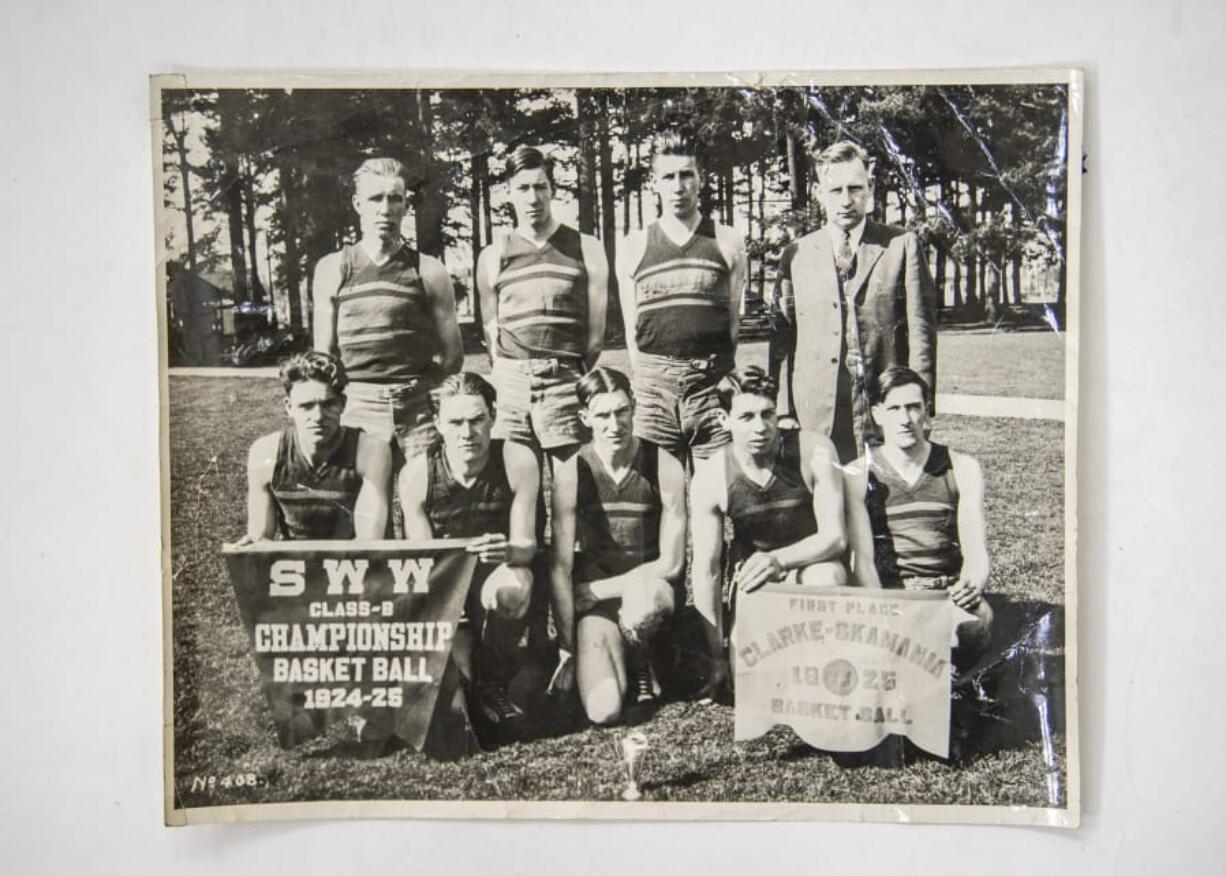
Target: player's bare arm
374 467
597 265
412 485
261 507
562 560
733 247
972 533
325 286
525 482
859 527
707 500
487 268
437 283
629 254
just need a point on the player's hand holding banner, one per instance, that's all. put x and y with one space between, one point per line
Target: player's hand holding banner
844 667
359 632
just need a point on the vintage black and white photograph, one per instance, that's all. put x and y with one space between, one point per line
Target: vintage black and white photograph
610 446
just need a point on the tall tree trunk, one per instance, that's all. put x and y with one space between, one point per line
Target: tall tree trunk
730 195
587 163
1016 218
231 189
626 194
431 207
958 300
938 274
475 171
185 172
487 209
257 286
608 192
627 138
638 190
289 188
706 199
608 208
762 224
972 268
794 180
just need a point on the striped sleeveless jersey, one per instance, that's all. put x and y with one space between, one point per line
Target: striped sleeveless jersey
384 324
765 518
542 297
457 511
915 528
683 305
617 524
316 502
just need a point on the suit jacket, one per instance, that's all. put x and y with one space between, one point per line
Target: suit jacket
896 307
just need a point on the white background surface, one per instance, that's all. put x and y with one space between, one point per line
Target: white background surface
80 624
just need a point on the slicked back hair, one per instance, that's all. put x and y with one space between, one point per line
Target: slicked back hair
676 143
893 378
464 383
840 152
381 167
313 365
750 380
528 158
600 380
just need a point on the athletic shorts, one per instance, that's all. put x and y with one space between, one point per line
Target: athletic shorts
537 405
399 412
675 403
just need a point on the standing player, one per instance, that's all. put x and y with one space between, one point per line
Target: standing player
622 500
463 488
915 512
316 479
680 284
388 312
544 291
782 492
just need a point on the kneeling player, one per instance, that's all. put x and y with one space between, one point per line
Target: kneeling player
622 500
782 492
464 488
316 479
915 512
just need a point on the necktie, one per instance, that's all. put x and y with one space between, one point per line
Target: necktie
844 257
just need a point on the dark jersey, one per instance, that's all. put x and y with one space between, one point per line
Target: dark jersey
617 524
765 518
457 511
384 322
683 300
542 297
915 528
316 502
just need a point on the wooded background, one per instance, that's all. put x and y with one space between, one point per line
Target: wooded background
257 182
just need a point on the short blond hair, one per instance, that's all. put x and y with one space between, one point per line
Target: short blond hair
380 167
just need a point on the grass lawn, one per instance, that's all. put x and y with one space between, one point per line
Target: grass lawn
222 725
1027 364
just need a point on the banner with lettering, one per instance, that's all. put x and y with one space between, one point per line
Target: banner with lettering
356 632
844 667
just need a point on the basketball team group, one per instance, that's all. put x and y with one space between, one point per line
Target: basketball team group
816 471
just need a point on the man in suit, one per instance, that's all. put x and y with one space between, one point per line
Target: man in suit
863 302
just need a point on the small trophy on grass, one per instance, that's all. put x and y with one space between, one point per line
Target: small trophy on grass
632 748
